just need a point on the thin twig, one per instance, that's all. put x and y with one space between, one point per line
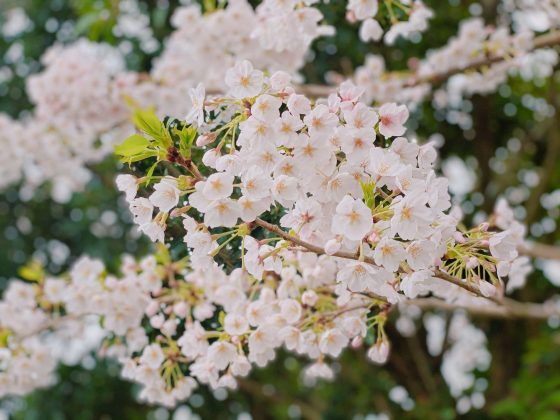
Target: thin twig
542 41
354 256
510 310
501 308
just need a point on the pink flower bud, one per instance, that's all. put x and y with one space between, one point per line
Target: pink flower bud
472 263
357 342
157 321
180 309
484 226
379 352
210 157
169 327
152 308
487 289
373 237
205 139
332 247
459 237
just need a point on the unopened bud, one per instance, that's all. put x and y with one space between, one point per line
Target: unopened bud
357 342
332 247
487 289
373 237
180 309
459 237
169 327
205 139
152 308
379 353
472 262
157 321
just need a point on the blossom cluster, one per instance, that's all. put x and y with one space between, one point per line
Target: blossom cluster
474 43
416 13
341 170
305 225
77 111
538 16
83 96
365 213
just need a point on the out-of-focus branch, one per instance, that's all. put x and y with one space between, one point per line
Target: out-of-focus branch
538 250
255 389
548 169
510 310
542 41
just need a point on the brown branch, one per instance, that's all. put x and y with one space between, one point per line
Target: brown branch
314 248
354 256
464 285
510 310
502 308
542 41
538 250
549 165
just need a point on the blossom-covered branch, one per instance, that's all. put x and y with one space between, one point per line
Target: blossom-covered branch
476 62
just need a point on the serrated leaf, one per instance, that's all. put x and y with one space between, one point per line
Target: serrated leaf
133 145
368 189
148 122
186 140
139 157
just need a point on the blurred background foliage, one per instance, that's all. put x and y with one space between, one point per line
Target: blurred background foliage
508 146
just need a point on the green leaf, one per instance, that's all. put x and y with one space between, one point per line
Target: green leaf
148 122
369 193
162 254
133 145
4 337
186 140
85 22
140 156
32 271
151 172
